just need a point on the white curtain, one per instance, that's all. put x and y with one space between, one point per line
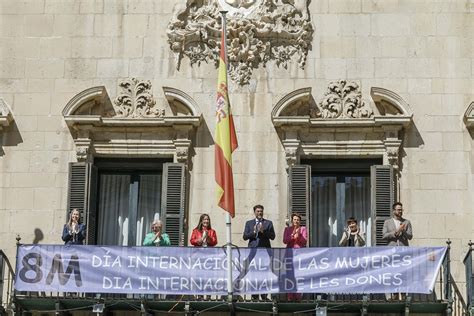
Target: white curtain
149 204
357 204
114 197
127 207
333 202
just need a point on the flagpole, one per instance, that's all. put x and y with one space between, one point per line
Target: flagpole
230 289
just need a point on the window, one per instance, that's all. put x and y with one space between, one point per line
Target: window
129 199
339 189
327 192
119 198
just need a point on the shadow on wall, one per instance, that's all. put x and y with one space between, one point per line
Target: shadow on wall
204 137
411 139
11 137
39 236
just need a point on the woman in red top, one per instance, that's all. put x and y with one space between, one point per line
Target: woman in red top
203 235
295 236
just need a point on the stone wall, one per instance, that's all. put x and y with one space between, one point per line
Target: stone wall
50 50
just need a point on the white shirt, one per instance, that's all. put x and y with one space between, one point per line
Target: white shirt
397 223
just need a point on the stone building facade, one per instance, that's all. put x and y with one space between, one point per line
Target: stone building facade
97 82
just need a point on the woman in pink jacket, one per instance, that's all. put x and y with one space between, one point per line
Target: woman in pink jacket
295 236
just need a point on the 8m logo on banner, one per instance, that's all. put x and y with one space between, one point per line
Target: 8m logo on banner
31 271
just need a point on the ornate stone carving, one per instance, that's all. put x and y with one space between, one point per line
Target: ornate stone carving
291 145
182 154
258 31
182 149
341 124
82 153
392 144
291 156
136 100
343 99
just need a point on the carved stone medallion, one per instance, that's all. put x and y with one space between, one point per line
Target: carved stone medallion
257 31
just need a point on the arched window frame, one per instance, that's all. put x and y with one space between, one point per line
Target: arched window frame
299 130
343 124
132 126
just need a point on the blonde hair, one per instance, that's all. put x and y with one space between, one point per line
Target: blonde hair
69 223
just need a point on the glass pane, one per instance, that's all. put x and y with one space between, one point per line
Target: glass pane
334 199
127 207
357 203
113 210
149 204
323 211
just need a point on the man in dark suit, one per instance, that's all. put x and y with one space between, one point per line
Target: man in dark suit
397 230
258 231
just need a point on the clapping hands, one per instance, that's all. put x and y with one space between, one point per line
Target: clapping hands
401 229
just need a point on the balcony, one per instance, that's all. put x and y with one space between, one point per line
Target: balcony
446 299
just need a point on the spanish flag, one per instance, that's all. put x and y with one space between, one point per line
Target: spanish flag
225 138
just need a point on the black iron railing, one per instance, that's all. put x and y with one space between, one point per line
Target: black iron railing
446 299
7 276
469 280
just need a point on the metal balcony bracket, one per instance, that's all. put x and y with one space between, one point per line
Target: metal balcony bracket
274 308
449 308
231 306
187 309
58 307
144 311
365 305
99 308
407 305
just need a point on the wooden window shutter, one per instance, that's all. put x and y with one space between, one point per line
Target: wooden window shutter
173 202
299 187
82 193
382 197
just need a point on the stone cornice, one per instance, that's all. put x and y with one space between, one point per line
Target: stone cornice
133 125
372 126
98 121
300 108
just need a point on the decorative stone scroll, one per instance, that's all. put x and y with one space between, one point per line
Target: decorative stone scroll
342 123
133 125
343 99
258 31
136 100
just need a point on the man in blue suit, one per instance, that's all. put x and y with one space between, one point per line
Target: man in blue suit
258 231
